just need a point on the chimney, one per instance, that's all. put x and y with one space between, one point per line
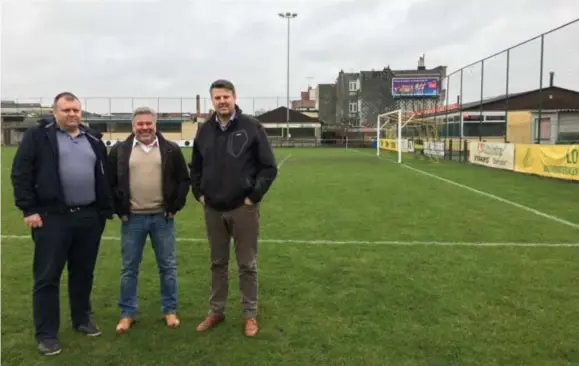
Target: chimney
198 104
551 78
421 64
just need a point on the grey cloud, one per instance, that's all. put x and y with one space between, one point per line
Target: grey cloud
176 49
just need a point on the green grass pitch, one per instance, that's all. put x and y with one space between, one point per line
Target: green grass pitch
363 262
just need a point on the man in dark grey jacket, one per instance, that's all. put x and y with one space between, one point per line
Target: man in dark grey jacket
232 168
61 186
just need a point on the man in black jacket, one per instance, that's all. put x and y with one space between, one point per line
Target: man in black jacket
232 168
61 186
150 183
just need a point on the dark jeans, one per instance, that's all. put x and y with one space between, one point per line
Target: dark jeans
72 238
134 234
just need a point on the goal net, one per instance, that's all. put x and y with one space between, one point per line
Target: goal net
402 133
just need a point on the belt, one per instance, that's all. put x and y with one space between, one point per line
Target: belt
73 209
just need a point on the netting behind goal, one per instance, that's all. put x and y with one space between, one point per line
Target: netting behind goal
418 136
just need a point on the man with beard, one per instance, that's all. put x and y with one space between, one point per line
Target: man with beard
150 182
232 168
60 185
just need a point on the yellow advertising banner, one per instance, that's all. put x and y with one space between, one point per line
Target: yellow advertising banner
388 144
556 161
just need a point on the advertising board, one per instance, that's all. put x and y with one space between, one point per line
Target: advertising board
555 161
492 154
415 87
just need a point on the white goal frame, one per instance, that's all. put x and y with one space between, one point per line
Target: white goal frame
400 126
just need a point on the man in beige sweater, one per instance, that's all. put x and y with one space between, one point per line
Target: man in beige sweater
150 182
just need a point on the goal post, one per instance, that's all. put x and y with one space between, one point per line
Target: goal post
386 122
409 133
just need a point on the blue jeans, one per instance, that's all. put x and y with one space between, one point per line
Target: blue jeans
133 236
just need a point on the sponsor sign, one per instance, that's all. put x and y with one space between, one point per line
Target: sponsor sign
492 154
415 87
391 144
434 148
555 161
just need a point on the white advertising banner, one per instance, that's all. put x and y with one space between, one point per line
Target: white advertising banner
184 143
181 143
492 154
434 148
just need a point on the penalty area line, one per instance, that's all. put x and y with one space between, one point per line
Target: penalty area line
357 242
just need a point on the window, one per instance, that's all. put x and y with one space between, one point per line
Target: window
353 107
354 85
496 118
169 127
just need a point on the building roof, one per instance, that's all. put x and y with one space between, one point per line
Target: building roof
551 98
14 104
279 115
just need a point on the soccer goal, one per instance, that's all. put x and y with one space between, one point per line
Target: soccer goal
409 133
389 133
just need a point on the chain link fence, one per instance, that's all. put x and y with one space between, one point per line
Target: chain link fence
510 96
106 106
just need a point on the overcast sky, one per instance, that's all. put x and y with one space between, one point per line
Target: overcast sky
177 48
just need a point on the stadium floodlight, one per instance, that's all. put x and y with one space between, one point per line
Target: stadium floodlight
289 16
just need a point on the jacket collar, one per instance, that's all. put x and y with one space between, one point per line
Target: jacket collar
50 123
236 114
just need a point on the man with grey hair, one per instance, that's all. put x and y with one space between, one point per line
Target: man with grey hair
150 182
60 185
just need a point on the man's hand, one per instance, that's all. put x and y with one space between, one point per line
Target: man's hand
248 202
202 200
170 215
124 218
33 221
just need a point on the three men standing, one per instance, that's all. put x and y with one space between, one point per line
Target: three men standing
232 168
150 183
60 184
66 186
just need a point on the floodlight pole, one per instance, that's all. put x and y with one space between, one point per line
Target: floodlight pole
289 16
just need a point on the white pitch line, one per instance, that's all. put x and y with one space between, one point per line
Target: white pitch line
357 242
283 161
497 198
489 195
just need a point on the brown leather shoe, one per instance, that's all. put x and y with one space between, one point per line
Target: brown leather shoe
250 329
209 322
172 320
125 324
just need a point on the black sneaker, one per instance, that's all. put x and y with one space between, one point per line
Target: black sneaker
48 347
89 329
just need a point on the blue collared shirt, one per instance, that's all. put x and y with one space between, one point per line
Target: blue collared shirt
224 127
77 168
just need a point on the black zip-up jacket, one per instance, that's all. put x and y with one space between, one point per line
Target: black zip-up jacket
173 167
35 171
229 166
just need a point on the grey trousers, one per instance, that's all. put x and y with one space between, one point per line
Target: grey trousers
242 225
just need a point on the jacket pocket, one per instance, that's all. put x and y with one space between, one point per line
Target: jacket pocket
237 143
